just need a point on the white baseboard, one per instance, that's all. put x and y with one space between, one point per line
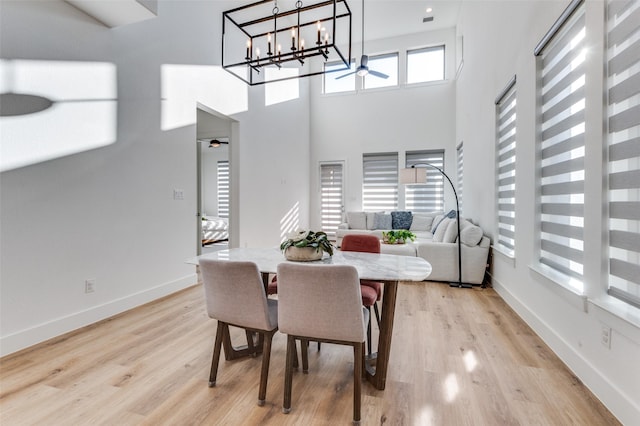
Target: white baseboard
42 332
620 404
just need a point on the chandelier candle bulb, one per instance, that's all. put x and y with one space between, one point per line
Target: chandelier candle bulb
293 38
248 49
269 44
301 44
319 30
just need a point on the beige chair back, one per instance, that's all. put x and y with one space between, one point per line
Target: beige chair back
235 294
321 301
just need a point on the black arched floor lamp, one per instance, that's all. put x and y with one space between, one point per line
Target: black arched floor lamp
418 175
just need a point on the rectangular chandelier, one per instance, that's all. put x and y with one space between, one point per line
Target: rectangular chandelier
269 40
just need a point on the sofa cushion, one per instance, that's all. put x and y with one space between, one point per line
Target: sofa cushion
451 233
381 221
357 220
401 220
421 222
470 234
438 236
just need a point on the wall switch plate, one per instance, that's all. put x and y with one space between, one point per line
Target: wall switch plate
606 336
178 194
90 285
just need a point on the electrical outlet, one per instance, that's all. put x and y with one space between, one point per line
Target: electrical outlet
606 336
90 285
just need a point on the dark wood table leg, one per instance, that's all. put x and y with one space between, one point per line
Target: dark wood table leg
378 363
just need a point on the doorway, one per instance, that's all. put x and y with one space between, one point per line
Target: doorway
214 134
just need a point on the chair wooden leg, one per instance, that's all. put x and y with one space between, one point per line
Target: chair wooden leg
304 348
288 374
250 343
369 330
357 380
264 374
217 346
375 309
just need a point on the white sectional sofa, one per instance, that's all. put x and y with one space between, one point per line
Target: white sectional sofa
436 241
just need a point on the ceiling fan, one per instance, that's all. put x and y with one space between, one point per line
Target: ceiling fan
363 68
213 143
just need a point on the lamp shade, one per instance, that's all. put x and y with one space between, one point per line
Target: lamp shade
414 175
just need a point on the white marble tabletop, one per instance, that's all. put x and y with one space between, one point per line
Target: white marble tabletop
370 266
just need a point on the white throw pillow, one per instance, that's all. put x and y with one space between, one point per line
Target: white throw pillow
421 222
436 222
471 235
442 228
451 233
371 220
357 220
381 221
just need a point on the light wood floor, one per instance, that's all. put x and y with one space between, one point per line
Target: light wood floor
459 357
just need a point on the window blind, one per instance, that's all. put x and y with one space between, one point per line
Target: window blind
380 182
506 168
331 197
561 147
460 158
623 86
430 196
223 189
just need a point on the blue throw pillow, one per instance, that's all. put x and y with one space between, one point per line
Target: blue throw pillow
401 220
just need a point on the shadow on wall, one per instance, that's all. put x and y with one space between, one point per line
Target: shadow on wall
51 109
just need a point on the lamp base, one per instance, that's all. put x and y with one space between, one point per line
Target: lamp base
460 285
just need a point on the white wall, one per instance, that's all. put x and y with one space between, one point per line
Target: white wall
109 213
499 39
398 119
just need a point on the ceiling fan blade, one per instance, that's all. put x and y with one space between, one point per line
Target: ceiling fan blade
364 60
378 74
345 75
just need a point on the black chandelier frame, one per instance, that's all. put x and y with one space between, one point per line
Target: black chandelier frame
278 54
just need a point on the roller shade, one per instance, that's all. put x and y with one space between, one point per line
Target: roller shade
623 89
430 196
380 182
506 168
331 197
561 145
223 189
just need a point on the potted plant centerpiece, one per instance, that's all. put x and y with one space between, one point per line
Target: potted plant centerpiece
399 236
306 246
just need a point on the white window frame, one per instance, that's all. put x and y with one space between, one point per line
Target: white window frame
372 66
422 50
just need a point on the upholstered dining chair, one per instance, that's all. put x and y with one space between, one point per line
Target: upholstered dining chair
371 290
235 296
323 303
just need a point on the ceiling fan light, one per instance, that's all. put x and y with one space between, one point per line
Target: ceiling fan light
362 72
215 143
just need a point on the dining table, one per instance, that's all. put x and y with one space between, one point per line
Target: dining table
388 269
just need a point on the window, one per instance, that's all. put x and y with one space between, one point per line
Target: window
223 189
460 158
506 168
386 64
380 181
333 84
623 83
561 147
331 197
430 196
426 64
